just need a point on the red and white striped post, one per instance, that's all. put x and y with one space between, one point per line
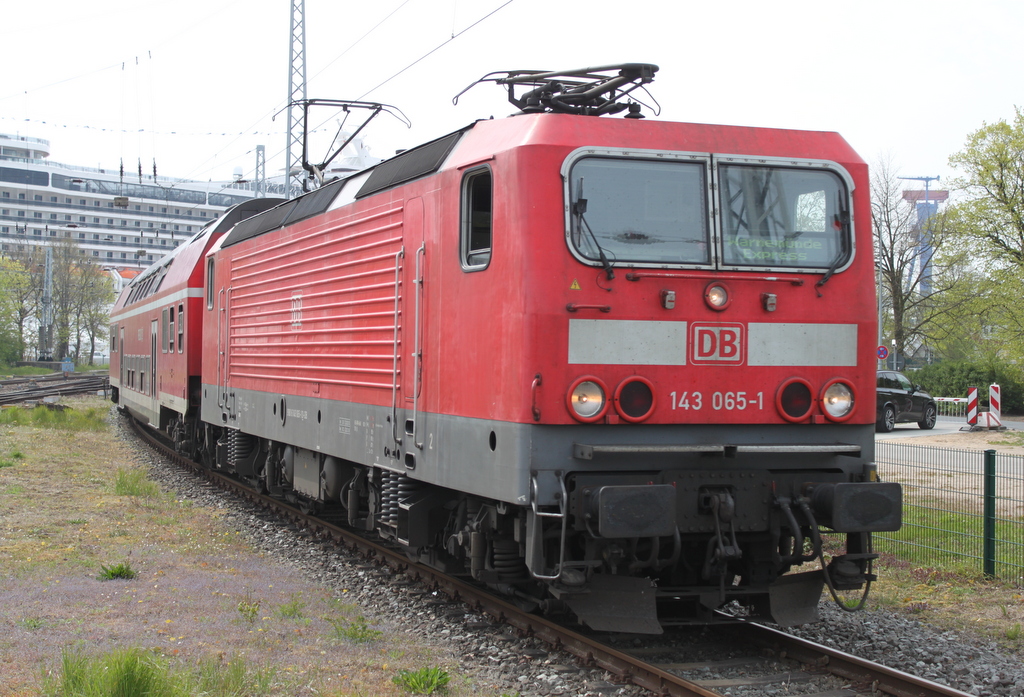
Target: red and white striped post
994 407
972 406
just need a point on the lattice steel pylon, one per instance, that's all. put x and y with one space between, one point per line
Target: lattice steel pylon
296 91
261 172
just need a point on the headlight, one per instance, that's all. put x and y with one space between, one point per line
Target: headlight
837 400
716 295
587 400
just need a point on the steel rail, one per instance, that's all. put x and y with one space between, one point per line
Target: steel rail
54 387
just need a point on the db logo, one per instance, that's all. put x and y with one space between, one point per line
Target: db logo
715 344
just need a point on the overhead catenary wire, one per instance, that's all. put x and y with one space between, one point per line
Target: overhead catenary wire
438 47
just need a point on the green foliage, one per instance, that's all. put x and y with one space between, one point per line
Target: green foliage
291 610
15 306
249 608
1013 633
992 163
56 418
134 482
425 681
31 623
953 378
23 370
989 220
137 673
357 630
121 571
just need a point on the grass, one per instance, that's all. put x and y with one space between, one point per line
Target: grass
932 536
23 371
357 631
89 419
134 482
31 623
425 681
249 608
66 512
122 571
136 673
291 610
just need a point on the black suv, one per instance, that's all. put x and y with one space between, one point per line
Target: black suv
900 401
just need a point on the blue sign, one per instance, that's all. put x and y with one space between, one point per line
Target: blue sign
883 353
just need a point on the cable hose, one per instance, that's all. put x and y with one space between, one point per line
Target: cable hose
824 569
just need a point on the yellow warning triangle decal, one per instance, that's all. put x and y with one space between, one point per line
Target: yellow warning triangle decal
575 285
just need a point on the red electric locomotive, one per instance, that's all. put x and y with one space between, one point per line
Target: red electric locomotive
612 365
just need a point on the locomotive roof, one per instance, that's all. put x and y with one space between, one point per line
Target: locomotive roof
485 138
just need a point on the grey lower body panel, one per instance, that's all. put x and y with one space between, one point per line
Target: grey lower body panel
527 463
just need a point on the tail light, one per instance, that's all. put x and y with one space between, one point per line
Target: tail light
795 399
634 399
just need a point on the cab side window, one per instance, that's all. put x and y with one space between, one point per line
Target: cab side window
476 223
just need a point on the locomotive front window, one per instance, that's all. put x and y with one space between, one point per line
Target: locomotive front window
642 211
783 217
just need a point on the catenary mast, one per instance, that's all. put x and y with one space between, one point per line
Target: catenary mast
293 172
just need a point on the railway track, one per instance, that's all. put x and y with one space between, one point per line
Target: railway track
759 657
16 390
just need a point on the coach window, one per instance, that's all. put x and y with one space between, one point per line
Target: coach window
209 284
172 332
784 217
181 328
477 219
166 331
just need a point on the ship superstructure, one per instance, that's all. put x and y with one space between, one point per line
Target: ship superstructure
121 219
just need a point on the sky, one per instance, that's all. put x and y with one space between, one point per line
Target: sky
194 85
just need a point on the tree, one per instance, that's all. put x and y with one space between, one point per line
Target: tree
918 275
992 163
990 219
81 296
15 307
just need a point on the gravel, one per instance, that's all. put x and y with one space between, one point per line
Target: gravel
495 659
972 665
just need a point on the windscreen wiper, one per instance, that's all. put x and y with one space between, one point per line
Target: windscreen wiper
579 207
842 221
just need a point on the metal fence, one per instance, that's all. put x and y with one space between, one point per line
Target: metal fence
951 406
961 508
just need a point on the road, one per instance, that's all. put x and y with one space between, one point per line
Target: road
944 426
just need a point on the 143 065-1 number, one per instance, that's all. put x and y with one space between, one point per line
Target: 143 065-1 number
727 401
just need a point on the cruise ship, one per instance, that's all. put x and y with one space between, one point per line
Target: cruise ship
124 221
